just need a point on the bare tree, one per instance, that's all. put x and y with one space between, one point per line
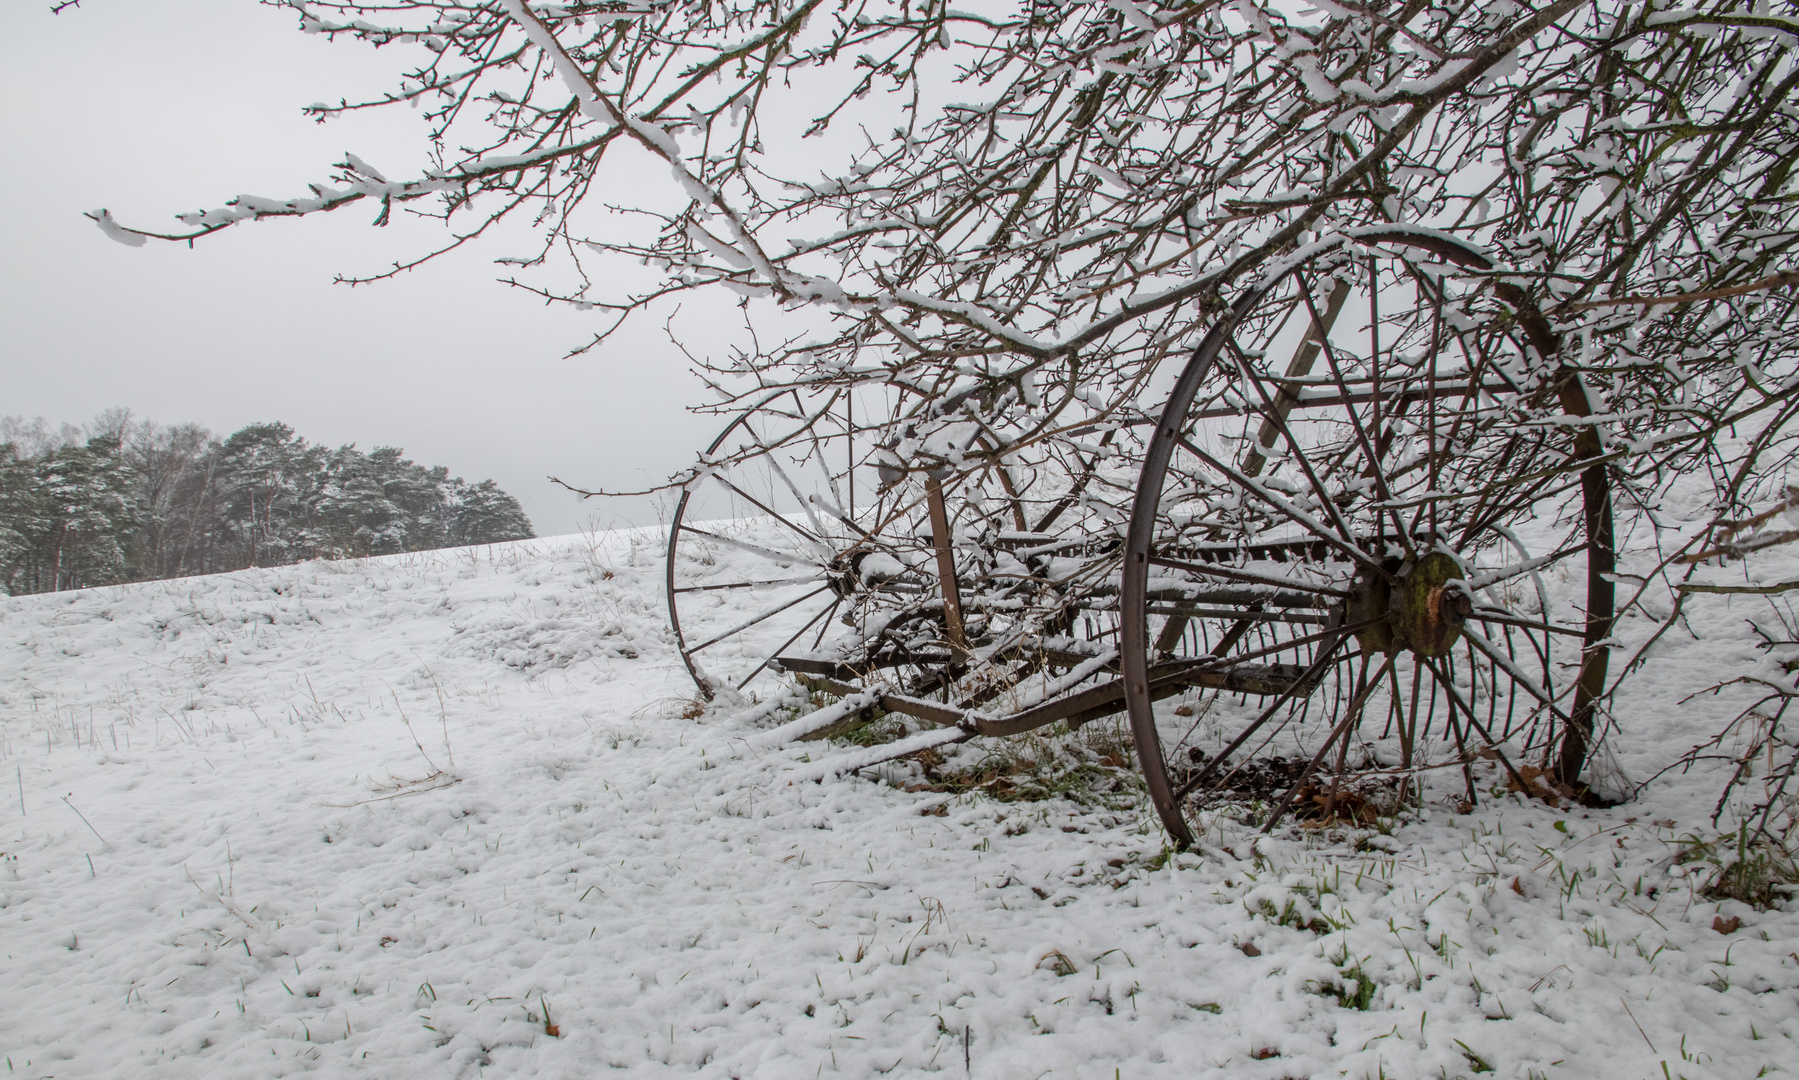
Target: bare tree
1011 214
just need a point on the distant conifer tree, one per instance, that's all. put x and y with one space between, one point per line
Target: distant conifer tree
483 514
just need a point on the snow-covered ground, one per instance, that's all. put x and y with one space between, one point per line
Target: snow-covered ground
440 815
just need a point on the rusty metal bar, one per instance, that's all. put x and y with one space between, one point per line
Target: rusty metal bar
1366 397
1287 395
1197 612
946 563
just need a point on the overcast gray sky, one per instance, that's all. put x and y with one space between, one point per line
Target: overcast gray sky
149 108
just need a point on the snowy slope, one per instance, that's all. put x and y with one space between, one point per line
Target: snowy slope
402 817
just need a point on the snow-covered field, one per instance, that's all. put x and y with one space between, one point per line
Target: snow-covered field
439 815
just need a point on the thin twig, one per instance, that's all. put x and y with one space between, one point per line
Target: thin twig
84 821
1640 1031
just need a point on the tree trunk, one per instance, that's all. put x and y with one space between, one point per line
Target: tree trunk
56 559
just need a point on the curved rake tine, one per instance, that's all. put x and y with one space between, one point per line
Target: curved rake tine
1517 673
1317 669
1536 577
1211 662
1350 716
1456 698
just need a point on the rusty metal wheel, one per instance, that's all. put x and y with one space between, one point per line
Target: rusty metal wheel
1350 548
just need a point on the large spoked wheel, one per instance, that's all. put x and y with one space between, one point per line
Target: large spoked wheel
1344 537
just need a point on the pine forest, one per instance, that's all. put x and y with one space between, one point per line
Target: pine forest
124 499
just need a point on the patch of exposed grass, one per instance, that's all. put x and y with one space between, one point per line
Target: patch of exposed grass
1744 865
1093 766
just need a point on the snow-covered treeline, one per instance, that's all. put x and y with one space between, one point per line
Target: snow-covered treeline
129 500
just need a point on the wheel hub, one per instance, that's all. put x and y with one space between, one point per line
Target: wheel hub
1423 611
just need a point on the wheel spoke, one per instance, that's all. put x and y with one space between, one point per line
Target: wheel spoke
805 504
1519 676
1246 575
1530 565
837 512
1318 528
1486 615
742 626
781 648
747 584
1375 472
760 505
1279 420
1350 716
784 558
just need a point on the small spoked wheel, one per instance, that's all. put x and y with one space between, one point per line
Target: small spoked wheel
1345 554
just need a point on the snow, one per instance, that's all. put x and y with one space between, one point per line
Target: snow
374 818
108 225
1133 14
364 168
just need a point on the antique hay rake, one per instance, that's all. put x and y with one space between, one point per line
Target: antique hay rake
1364 500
